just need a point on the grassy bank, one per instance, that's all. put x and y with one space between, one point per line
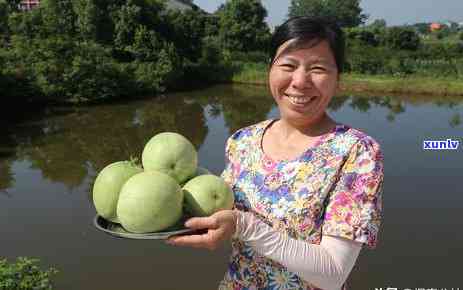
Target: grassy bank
402 85
254 73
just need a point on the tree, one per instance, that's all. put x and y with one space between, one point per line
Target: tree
454 27
58 17
126 20
86 18
366 35
347 13
443 32
242 26
13 5
378 24
3 22
422 27
402 38
187 30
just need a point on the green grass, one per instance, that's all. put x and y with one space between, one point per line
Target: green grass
251 73
255 73
403 85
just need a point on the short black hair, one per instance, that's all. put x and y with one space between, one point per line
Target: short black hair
309 31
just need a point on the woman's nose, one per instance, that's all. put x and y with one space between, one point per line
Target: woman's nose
301 79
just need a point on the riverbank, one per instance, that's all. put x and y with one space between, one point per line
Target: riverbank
368 84
202 76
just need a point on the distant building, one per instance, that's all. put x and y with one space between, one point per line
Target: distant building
29 4
435 26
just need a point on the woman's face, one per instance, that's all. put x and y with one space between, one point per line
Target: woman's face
303 81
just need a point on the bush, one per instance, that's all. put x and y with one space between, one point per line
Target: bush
154 76
402 38
62 70
366 60
363 36
210 51
252 56
42 64
24 274
92 75
398 66
49 58
439 50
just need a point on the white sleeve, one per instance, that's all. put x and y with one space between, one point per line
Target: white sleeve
326 266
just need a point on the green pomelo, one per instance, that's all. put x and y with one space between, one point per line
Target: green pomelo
207 194
199 171
150 201
108 185
172 154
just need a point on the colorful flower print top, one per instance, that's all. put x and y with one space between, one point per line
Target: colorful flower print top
333 188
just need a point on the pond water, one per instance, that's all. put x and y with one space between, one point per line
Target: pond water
49 159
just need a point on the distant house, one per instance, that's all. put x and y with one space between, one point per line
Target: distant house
435 26
29 4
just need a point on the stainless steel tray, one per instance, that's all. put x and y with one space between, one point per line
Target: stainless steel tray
117 230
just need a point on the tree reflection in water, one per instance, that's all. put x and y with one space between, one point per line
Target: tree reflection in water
85 140
6 176
70 145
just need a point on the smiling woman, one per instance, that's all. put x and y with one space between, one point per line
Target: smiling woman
307 189
303 81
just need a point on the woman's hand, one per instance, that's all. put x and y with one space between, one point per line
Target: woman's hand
220 226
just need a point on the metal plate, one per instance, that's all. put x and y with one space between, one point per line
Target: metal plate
116 230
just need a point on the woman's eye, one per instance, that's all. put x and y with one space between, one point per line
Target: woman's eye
318 69
287 66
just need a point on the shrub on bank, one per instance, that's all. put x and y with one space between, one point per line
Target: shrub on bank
57 53
25 274
438 60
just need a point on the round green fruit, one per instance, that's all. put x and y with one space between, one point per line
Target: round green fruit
150 201
108 185
207 194
199 171
172 154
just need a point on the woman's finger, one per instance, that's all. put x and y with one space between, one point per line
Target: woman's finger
197 241
202 223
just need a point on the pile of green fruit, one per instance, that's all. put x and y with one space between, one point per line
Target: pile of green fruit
169 186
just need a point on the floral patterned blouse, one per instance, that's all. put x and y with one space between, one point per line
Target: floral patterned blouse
333 188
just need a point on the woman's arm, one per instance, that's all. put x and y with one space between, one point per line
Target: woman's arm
326 266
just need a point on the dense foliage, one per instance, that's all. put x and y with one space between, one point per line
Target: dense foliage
87 50
242 26
90 50
399 51
347 13
25 274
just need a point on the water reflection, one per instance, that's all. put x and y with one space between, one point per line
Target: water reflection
244 106
455 120
68 145
61 149
6 176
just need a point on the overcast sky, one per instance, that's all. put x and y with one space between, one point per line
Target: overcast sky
395 12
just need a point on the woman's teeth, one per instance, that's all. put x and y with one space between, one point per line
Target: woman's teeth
299 100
